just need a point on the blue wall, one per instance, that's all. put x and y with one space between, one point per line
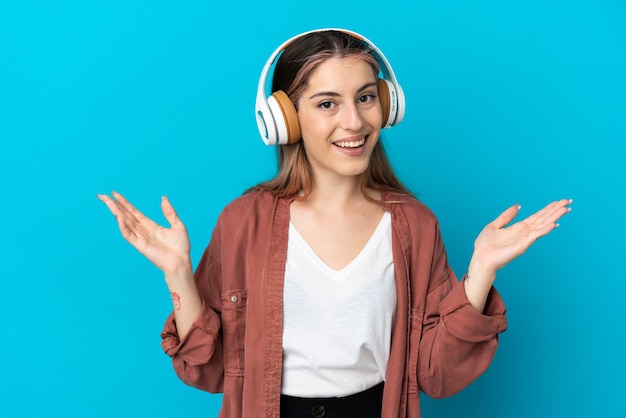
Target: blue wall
508 101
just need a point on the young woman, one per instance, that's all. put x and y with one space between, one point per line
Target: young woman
326 291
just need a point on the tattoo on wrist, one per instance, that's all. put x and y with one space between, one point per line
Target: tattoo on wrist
175 300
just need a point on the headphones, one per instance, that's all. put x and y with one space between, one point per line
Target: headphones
276 115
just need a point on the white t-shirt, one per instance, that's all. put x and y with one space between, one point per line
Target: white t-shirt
337 324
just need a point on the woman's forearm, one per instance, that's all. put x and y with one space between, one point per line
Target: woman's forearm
185 297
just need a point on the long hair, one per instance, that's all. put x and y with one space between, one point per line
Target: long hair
291 75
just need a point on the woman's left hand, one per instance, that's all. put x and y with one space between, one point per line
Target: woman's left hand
498 244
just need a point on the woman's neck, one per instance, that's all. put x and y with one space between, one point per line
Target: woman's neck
338 194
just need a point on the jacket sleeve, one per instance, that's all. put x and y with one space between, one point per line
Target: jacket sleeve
458 343
197 357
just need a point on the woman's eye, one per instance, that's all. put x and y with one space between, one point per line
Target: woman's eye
366 98
326 105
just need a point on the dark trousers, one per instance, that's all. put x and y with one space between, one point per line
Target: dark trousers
366 404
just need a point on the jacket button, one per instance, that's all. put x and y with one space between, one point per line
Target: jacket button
318 411
234 298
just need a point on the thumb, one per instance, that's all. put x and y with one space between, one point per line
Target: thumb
168 211
507 216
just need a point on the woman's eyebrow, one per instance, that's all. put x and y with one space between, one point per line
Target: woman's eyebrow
335 94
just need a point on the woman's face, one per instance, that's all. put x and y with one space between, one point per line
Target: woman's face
340 117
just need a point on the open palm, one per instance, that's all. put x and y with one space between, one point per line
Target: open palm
166 248
499 244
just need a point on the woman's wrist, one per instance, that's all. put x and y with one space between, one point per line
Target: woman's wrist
183 272
478 282
478 274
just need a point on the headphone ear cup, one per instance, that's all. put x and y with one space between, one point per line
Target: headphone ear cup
388 96
285 117
383 96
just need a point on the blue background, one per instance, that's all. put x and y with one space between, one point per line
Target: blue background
508 101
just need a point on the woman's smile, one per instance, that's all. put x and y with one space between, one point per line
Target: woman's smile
354 143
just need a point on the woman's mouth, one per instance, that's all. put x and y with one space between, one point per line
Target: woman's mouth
350 144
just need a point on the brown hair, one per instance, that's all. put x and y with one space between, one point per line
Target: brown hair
291 74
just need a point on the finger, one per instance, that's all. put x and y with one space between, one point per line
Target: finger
550 213
117 212
506 217
558 210
129 209
111 204
542 230
548 220
123 211
556 206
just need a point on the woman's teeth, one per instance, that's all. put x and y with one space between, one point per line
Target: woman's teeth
350 144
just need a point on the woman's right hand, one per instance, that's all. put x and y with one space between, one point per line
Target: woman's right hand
166 248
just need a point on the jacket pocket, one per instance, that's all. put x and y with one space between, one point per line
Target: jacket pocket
233 331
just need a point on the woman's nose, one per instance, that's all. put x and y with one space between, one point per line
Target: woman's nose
351 118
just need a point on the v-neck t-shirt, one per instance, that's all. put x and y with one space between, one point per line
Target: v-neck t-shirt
337 323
